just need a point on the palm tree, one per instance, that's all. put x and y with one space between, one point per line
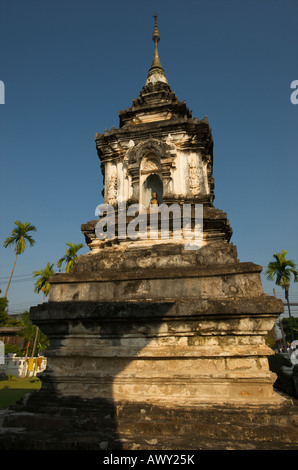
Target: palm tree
3 310
19 238
30 332
42 283
283 270
70 257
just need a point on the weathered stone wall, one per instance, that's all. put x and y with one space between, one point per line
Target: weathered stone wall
169 351
160 324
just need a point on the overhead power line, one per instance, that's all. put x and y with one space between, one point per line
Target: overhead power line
2 283
17 275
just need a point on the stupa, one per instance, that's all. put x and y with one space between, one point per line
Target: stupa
157 342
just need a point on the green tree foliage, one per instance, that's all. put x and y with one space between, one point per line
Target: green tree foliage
283 270
287 328
13 349
5 319
18 239
71 257
36 340
3 311
42 282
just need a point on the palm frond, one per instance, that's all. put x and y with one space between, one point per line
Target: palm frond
20 236
70 258
43 275
282 270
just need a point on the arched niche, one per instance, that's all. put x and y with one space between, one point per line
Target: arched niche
150 178
152 156
152 184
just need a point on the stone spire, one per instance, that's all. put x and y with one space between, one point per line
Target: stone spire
156 72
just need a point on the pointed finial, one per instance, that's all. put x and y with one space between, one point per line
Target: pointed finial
155 36
156 67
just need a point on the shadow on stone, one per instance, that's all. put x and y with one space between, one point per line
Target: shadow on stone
91 343
132 376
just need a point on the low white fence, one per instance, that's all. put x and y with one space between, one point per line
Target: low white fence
23 366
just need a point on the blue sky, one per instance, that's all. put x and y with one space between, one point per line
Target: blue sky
70 66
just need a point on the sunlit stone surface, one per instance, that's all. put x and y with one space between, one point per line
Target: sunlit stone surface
153 345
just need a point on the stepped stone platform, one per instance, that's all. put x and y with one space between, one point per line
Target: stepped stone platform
153 358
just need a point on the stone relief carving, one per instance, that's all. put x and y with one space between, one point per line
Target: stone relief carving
151 165
112 189
159 147
165 153
194 181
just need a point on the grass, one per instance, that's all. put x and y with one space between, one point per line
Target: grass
14 388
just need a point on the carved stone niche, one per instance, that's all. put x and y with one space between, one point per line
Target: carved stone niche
112 187
208 160
151 157
194 180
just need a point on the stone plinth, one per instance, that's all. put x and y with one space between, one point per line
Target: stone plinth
142 337
183 333
159 351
